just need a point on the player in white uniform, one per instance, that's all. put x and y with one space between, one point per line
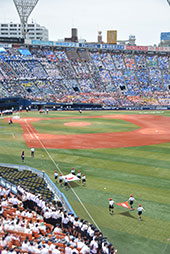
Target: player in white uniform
66 183
140 209
111 205
131 200
83 180
73 171
61 180
56 176
79 174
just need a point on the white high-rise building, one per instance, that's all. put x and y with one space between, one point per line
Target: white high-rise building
33 31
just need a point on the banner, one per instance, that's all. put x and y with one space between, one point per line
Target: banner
157 49
42 43
124 204
112 46
137 48
71 178
66 44
97 46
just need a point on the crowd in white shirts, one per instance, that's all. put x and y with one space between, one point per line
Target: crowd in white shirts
28 224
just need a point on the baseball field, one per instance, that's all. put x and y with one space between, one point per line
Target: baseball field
121 153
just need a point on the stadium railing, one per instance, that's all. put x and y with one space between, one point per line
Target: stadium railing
57 193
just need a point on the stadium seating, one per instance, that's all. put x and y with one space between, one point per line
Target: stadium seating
28 180
73 75
31 223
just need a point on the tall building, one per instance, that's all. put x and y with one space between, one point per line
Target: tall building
33 31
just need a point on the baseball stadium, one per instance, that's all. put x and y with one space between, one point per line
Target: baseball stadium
84 145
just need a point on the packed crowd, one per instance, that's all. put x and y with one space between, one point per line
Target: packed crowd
82 76
28 224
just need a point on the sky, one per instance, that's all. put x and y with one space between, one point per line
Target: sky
145 19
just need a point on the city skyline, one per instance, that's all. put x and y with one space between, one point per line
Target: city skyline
145 19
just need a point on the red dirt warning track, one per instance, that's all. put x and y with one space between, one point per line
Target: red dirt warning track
153 130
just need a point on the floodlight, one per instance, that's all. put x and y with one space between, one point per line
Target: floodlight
24 9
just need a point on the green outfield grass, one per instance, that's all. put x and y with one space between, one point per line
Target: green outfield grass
116 173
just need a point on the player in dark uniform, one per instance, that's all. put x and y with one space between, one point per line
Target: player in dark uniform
61 180
22 156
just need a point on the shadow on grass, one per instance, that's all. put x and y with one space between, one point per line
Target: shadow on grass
75 185
128 214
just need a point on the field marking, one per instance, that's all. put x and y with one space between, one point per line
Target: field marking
13 135
56 165
28 128
29 133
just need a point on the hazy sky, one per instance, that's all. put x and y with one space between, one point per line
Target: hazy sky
145 19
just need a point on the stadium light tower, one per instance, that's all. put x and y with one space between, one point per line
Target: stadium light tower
24 9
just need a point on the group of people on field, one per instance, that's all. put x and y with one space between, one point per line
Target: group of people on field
59 178
23 154
131 200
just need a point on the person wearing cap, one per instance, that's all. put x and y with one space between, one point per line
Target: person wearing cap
84 228
73 171
131 200
74 250
105 248
61 180
140 209
79 174
66 183
44 249
111 205
94 246
83 179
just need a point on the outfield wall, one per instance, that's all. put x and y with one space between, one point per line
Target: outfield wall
18 103
57 193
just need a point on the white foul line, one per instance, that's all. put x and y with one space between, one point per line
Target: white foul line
61 172
28 129
30 133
